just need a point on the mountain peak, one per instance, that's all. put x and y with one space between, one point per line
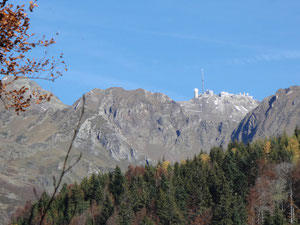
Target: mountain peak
221 106
32 86
275 114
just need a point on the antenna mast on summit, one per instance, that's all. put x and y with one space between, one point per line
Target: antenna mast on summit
202 81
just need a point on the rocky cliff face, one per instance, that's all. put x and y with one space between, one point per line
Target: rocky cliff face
275 114
135 125
118 127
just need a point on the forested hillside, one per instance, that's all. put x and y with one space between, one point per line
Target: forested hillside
258 183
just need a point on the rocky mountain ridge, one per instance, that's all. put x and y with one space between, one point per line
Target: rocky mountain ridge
275 114
142 123
119 127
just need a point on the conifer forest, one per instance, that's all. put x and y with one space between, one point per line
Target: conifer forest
257 183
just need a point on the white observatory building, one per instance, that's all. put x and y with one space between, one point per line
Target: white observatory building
196 92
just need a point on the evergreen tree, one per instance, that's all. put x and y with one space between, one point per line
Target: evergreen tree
216 155
223 212
126 212
239 214
147 221
198 187
166 209
231 171
106 210
66 207
278 218
297 133
95 189
162 207
116 184
268 220
77 200
139 194
223 198
149 178
215 182
180 193
165 183
85 188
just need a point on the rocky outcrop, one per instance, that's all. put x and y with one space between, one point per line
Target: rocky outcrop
134 125
275 114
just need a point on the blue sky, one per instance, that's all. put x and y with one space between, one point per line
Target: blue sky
162 45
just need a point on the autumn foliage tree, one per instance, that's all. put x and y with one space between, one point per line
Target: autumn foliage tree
16 60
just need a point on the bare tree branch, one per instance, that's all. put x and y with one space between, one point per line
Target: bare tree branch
65 168
2 4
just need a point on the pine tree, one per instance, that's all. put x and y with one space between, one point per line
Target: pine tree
149 178
116 184
297 133
223 209
268 220
198 187
77 199
216 155
278 218
126 212
223 198
231 171
166 209
94 189
180 193
239 213
147 221
139 194
106 211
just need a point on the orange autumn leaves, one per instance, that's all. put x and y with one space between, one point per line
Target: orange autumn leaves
16 44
